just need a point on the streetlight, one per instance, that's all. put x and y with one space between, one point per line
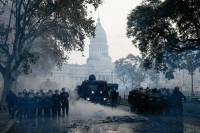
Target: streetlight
112 76
139 77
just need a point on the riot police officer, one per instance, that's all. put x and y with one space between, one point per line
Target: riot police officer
20 105
64 100
11 99
38 102
114 96
133 100
31 105
47 104
177 101
26 105
56 103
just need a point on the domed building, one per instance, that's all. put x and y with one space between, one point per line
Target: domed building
98 63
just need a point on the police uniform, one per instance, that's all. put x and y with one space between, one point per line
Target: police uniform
11 99
65 103
56 103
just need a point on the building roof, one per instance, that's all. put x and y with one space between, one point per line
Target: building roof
100 34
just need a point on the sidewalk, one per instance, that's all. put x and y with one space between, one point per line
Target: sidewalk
5 122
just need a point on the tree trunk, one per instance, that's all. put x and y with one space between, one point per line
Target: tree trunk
7 85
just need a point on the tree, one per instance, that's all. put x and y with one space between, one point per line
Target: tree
154 76
190 61
130 69
163 28
65 23
121 71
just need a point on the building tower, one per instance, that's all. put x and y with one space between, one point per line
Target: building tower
98 48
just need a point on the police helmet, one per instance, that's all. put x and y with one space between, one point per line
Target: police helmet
176 88
41 90
24 92
37 93
32 91
50 91
10 91
92 77
56 91
29 93
63 89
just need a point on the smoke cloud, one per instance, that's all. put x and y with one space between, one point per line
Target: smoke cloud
86 110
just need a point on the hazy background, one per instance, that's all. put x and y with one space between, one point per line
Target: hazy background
113 15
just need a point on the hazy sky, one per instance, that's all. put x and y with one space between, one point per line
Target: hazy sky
113 15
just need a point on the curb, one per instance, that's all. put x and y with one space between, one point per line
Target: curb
198 116
9 126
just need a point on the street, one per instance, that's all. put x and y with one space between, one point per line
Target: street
87 117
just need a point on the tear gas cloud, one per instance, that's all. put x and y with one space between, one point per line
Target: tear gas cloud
86 110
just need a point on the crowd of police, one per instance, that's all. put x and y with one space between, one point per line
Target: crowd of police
28 104
156 101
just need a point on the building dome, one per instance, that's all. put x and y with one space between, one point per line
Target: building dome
100 34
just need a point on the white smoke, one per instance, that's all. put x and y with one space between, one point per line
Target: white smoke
85 109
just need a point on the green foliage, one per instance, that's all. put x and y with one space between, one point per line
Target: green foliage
161 29
190 61
130 69
61 25
26 23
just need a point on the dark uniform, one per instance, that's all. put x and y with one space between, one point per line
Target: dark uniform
177 101
20 105
47 104
114 96
65 103
133 100
11 100
56 103
38 102
152 98
167 102
31 105
26 104
143 102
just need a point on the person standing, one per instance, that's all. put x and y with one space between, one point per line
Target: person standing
47 104
56 103
65 102
114 96
177 101
11 99
20 105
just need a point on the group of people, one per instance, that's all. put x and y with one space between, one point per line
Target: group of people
28 104
156 101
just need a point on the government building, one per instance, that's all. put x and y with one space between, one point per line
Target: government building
98 63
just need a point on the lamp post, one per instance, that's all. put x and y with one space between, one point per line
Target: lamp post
192 93
139 77
112 76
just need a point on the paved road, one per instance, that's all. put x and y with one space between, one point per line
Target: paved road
99 121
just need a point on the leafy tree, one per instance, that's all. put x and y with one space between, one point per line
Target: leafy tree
130 69
190 61
64 23
163 28
154 76
121 71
